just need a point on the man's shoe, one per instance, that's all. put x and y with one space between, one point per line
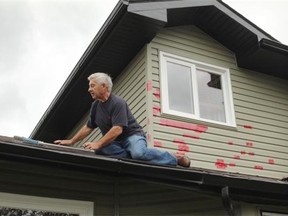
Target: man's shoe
183 160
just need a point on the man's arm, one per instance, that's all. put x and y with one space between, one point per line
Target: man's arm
111 135
81 134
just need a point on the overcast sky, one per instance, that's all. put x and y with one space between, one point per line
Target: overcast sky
42 40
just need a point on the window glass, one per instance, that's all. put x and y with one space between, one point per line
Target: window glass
210 93
179 88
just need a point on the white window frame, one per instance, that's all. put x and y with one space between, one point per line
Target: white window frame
273 213
226 87
83 208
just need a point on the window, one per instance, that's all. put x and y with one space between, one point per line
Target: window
192 89
266 213
14 204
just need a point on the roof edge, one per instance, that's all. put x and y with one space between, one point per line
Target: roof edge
242 20
274 46
243 188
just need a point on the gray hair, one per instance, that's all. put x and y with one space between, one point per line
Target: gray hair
102 78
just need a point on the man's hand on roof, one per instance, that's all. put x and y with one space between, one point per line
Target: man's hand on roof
92 146
63 142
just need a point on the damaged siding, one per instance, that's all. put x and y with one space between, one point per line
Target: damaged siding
258 144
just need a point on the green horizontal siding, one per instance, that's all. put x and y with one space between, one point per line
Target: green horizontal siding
114 195
55 182
140 198
111 195
259 143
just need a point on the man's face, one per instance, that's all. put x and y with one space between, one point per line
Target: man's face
96 90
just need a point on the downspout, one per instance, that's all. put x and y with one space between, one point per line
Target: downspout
226 201
116 197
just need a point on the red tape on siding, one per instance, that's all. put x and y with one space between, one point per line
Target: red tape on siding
230 142
236 157
182 146
156 93
183 125
179 141
157 144
156 110
249 144
220 164
191 136
149 85
258 167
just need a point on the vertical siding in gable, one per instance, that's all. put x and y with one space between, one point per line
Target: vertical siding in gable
259 144
130 85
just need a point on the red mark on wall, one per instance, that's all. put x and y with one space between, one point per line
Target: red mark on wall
232 164
271 161
243 152
230 142
156 93
182 146
149 85
251 153
247 126
157 144
191 136
249 144
236 157
179 141
258 167
148 137
156 110
148 121
183 125
220 164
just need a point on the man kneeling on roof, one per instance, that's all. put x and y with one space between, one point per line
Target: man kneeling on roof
122 137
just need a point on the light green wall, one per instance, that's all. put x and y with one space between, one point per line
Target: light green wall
261 109
260 101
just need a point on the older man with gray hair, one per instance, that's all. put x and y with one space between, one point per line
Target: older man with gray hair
122 136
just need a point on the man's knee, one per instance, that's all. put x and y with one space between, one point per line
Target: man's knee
138 147
138 155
